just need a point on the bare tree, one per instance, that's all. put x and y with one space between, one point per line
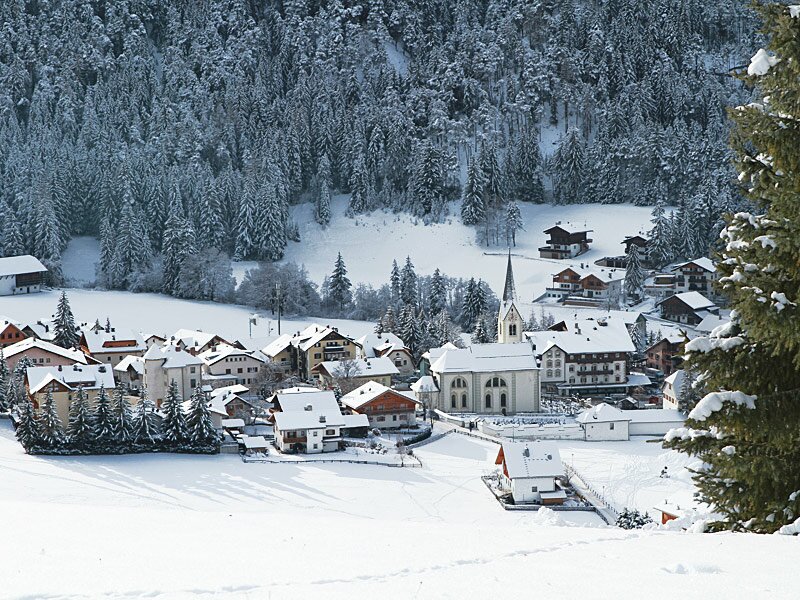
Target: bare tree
345 375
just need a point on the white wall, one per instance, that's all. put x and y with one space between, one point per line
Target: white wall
522 488
603 432
654 429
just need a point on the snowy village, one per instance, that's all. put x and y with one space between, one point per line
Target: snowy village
399 299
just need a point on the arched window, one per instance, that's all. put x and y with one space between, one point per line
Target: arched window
463 401
512 330
503 400
549 373
488 401
496 382
453 401
459 382
558 372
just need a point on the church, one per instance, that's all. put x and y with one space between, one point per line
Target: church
499 378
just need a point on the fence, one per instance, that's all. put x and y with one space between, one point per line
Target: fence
572 472
533 431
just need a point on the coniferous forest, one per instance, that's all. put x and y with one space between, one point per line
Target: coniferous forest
180 132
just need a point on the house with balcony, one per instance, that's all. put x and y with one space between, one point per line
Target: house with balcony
11 332
385 407
317 344
388 345
21 275
575 287
696 275
665 354
564 244
226 365
689 308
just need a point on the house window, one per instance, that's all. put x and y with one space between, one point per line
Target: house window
488 401
315 446
227 371
549 373
317 355
463 401
315 434
611 426
381 418
535 488
558 372
193 383
394 417
192 369
404 417
330 432
239 370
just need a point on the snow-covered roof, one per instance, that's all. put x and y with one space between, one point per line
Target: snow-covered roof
17 265
174 358
368 367
298 401
86 376
357 420
232 423
603 413
532 459
363 394
639 379
676 379
103 341
252 442
426 383
29 343
313 334
309 419
483 358
277 345
585 336
382 343
130 361
694 300
656 415
703 262
235 389
561 313
223 351
711 322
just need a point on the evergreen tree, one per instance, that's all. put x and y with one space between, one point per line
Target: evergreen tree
121 418
27 431
5 376
480 336
65 333
513 223
173 427
103 422
322 212
395 280
437 295
408 283
473 211
50 431
81 429
474 304
145 422
339 285
745 430
569 169
388 322
201 428
659 243
634 274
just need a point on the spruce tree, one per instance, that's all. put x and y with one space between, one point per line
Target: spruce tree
408 283
513 223
64 329
49 427
634 274
145 423
746 430
27 431
5 376
121 418
437 295
103 422
473 211
339 285
394 281
659 245
322 212
173 427
81 427
200 425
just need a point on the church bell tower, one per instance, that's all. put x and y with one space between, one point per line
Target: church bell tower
509 321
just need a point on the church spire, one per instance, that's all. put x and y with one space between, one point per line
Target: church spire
509 292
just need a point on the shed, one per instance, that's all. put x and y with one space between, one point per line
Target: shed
605 423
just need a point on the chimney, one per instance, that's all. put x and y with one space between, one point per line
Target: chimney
75 368
102 368
322 418
526 453
308 407
59 368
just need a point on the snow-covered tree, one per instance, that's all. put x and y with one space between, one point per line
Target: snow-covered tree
145 425
173 427
27 431
200 425
50 431
122 421
65 332
81 429
513 223
103 421
634 274
339 285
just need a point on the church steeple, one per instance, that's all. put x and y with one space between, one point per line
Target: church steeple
509 292
509 321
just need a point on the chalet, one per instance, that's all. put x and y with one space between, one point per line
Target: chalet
63 382
665 354
620 262
317 344
43 353
385 408
356 371
196 342
605 423
130 371
21 275
529 470
10 332
231 401
564 244
637 242
226 365
387 345
485 378
689 308
279 352
586 288
165 364
110 347
672 388
311 421
695 275
585 355
660 286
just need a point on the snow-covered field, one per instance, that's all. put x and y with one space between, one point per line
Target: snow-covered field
155 313
369 243
165 526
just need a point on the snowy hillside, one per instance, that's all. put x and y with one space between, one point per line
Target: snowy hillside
370 242
161 526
